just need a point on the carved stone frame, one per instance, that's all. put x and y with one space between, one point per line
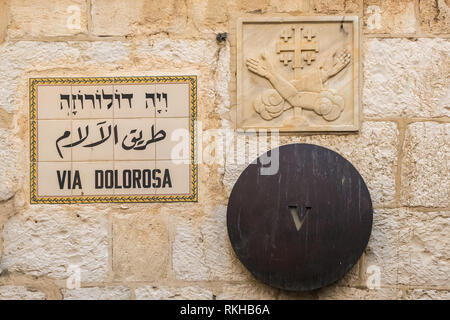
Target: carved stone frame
348 127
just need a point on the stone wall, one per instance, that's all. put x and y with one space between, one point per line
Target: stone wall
181 250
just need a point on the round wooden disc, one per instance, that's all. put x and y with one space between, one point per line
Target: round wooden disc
305 226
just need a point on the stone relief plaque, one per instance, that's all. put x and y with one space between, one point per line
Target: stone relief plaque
298 74
118 139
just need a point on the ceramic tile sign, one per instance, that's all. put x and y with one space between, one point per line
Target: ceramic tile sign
124 139
298 74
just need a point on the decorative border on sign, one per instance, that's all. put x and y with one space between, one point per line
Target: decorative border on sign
193 194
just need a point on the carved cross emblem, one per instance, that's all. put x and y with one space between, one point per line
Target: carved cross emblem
300 42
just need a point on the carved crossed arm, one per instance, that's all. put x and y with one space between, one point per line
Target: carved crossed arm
334 63
263 68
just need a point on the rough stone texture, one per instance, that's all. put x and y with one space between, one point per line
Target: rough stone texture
32 18
334 7
248 291
347 293
435 16
382 249
373 152
290 6
12 292
410 247
425 172
22 56
424 294
48 239
406 78
96 293
136 16
140 247
203 251
423 249
181 51
10 149
171 293
395 17
3 19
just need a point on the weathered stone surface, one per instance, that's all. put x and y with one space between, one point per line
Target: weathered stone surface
333 7
140 247
252 6
172 293
424 294
395 17
123 15
4 9
188 260
11 292
32 18
209 15
203 251
434 16
406 78
11 149
247 291
119 18
181 51
348 293
290 6
373 152
382 249
97 293
21 56
103 51
423 249
47 240
425 174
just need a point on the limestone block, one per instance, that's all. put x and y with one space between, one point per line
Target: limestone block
52 241
424 294
201 250
35 18
348 293
4 9
290 6
406 78
21 56
395 17
219 255
140 247
210 15
253 6
180 51
11 292
10 152
382 250
121 18
97 293
333 7
187 253
423 249
434 16
172 293
425 174
248 291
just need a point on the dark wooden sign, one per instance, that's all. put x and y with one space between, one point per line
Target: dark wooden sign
304 227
